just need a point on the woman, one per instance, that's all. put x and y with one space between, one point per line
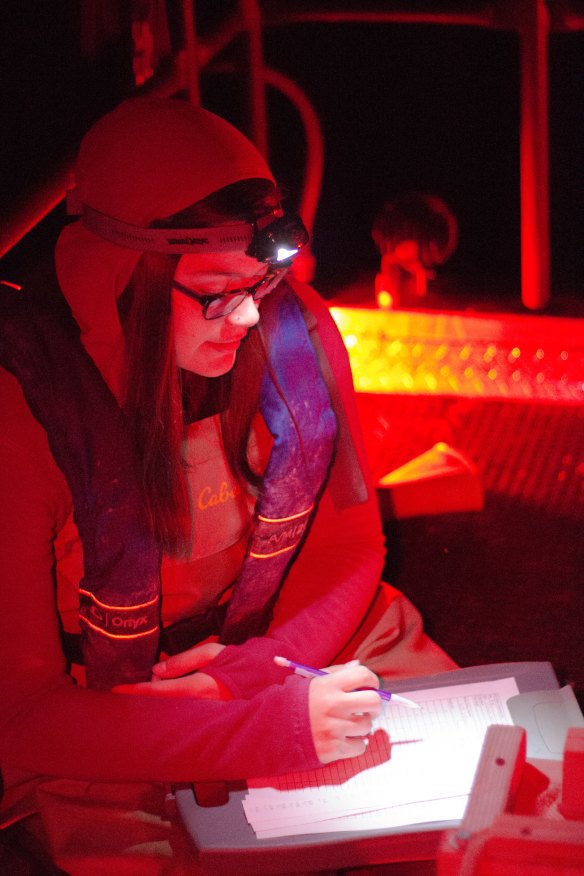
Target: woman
189 479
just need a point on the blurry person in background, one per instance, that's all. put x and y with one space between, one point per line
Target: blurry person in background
414 233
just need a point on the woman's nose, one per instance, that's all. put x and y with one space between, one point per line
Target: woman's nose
247 313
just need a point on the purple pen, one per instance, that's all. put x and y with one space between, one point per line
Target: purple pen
310 672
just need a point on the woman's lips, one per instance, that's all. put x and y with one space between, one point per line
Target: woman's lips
226 346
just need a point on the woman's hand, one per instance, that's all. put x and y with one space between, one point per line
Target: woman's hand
186 661
180 676
340 713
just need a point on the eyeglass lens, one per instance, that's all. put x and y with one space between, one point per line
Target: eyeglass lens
226 304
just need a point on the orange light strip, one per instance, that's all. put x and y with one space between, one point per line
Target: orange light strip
115 636
454 353
274 554
118 607
286 519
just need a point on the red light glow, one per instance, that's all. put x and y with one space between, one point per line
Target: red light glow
424 353
384 300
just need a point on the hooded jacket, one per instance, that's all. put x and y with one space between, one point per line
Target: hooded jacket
49 724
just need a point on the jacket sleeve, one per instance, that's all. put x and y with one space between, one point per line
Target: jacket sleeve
334 577
51 726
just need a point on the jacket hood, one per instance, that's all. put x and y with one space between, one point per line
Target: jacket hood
147 159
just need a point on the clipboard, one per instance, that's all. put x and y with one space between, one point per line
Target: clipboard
225 843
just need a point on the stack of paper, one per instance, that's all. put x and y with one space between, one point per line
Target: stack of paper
418 768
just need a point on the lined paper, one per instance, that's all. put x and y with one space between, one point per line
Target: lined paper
418 768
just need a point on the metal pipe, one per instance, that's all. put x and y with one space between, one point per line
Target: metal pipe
35 207
251 20
314 143
533 28
305 263
482 17
530 18
312 132
190 54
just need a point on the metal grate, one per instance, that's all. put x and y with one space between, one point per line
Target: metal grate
529 451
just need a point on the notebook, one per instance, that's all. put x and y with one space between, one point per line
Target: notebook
225 842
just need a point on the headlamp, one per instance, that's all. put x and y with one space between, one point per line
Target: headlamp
274 239
279 241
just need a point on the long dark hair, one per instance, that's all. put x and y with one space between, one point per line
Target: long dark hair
158 396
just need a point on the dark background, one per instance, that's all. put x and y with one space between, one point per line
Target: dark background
411 106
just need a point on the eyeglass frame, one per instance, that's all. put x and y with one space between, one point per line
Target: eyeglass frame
207 300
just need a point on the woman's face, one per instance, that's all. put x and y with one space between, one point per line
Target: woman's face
209 347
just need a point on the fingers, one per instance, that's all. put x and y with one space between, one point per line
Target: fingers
187 661
351 690
351 738
357 725
199 686
346 739
143 687
341 716
338 666
356 677
351 748
350 706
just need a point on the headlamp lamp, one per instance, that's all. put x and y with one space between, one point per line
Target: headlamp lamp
279 241
274 239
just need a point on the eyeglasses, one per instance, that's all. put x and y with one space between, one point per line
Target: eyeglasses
215 306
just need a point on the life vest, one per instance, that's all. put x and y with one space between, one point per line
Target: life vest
89 438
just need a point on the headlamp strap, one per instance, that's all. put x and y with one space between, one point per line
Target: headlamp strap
273 238
221 238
